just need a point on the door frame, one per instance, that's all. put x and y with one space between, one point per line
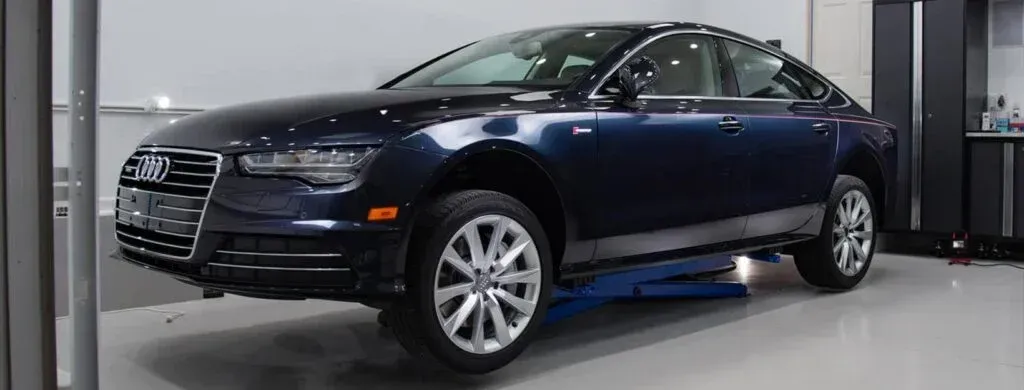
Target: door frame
809 27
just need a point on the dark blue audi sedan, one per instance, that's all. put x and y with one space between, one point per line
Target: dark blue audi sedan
459 195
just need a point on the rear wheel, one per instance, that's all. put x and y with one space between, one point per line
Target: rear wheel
841 254
479 276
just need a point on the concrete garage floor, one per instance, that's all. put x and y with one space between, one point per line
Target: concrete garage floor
915 323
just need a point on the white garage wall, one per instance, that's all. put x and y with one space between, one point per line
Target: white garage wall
787 20
1006 53
207 53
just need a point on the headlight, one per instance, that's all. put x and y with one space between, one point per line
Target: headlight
317 166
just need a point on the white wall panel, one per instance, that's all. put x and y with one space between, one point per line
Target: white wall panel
762 19
1006 52
205 53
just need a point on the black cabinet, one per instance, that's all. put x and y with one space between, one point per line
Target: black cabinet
996 185
986 187
953 82
1017 197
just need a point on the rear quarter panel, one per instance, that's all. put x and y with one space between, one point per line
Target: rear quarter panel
859 132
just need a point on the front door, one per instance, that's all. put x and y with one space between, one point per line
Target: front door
671 169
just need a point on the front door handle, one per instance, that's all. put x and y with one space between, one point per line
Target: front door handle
730 125
821 127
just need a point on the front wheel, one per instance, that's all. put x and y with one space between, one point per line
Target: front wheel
479 276
840 256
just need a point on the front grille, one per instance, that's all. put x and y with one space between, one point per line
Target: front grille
160 211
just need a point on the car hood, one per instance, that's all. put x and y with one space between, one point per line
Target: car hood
352 118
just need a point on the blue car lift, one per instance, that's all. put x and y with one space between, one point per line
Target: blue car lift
654 282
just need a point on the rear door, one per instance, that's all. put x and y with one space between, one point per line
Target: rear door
793 137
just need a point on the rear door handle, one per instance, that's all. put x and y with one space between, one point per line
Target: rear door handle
821 127
730 125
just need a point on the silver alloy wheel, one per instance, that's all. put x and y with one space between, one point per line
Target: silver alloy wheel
852 233
485 294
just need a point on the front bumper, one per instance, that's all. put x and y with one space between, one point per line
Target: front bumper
277 237
266 266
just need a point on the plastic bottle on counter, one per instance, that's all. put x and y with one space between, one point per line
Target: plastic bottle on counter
1015 120
1002 122
1000 116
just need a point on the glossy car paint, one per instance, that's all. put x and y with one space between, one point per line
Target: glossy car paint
792 161
659 182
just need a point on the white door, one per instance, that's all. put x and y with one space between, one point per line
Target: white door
841 45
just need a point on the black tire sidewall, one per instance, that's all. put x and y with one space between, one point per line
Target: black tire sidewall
430 248
816 262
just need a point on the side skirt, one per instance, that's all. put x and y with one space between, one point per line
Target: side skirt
599 267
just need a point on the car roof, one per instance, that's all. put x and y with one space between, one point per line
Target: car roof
623 25
655 26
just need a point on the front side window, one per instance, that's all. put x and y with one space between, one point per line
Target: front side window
546 57
763 75
689 66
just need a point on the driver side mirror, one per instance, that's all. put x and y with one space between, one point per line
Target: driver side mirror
634 77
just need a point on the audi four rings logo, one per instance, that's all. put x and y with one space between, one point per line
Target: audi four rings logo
152 168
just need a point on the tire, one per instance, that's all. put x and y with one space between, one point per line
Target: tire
443 229
816 261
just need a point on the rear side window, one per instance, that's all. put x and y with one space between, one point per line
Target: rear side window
760 74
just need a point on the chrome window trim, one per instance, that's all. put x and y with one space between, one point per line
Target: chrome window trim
243 253
686 97
660 25
592 95
206 199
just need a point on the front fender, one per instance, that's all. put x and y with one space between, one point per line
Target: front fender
551 140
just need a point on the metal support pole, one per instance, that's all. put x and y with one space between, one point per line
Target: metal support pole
5 351
917 132
27 165
82 216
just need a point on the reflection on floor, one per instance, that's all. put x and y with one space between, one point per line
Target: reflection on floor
915 323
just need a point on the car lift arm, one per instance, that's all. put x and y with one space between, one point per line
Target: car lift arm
651 282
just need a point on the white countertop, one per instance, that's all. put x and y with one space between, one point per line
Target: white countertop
993 134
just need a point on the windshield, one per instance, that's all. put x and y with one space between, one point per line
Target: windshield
553 57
